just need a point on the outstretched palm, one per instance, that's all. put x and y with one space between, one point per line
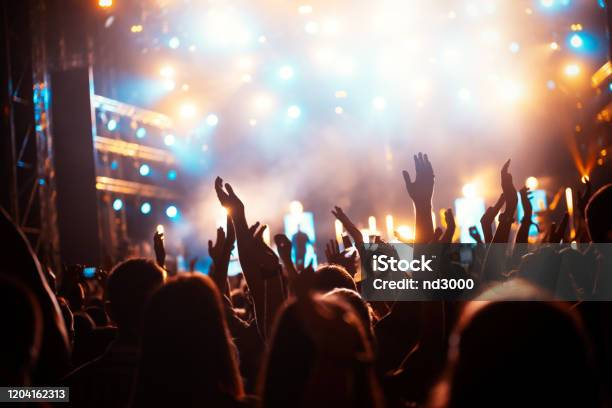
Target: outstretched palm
421 189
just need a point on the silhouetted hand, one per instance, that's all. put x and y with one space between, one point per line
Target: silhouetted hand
509 190
557 232
526 196
346 258
284 247
348 225
437 234
220 253
228 199
475 234
421 189
447 237
160 251
489 216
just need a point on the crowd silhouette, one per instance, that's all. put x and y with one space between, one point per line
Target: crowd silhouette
289 335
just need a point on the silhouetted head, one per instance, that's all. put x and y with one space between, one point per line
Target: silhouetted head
516 354
128 288
293 373
360 306
22 325
330 276
187 357
599 215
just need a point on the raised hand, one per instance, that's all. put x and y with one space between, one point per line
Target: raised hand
489 216
523 231
160 251
220 253
345 258
421 189
228 199
557 232
447 237
509 190
284 247
348 225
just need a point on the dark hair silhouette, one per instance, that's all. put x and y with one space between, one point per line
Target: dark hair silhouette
23 322
187 357
330 276
599 215
128 288
360 306
519 353
288 374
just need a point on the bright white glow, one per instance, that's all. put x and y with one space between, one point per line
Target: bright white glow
169 140
174 43
296 208
554 46
379 103
169 84
111 125
286 72
345 66
511 91
171 211
405 232
117 204
212 120
339 110
470 190
225 27
465 94
532 183
145 208
263 103
305 9
144 170
167 71
576 41
245 63
547 3
311 27
514 47
294 112
572 70
141 132
188 110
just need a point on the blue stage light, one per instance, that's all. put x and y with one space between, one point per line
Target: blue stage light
145 208
141 132
576 40
145 170
111 125
114 165
172 175
169 140
172 212
117 204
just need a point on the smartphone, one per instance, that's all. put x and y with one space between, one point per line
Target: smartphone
89 272
346 241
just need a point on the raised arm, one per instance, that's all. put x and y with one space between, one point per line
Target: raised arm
488 217
220 253
507 217
421 193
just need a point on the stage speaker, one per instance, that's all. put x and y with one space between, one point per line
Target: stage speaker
75 170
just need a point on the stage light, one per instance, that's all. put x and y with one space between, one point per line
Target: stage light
285 72
311 27
296 208
141 132
379 103
572 70
554 46
514 47
160 229
212 120
174 43
469 190
114 165
172 174
188 110
169 140
171 211
339 110
111 125
262 39
136 28
405 232
532 183
145 208
576 41
167 71
105 3
144 170
294 112
117 204
341 94
547 3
